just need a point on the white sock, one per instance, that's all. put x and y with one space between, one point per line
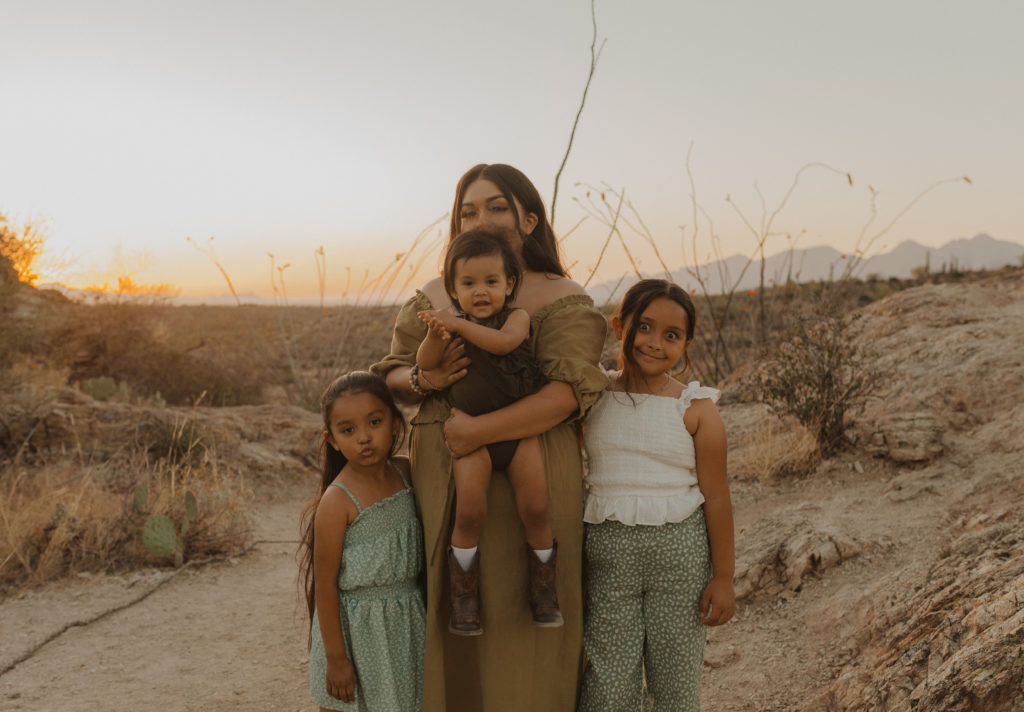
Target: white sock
464 556
544 554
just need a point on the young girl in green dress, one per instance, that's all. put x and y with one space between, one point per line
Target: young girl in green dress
658 547
362 557
482 275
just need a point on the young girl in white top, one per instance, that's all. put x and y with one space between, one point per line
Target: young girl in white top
658 548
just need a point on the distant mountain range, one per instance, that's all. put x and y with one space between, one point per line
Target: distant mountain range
814 263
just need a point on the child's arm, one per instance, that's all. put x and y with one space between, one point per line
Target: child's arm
332 517
431 350
496 341
719 600
531 415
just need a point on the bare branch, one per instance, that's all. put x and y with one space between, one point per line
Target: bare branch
594 56
604 247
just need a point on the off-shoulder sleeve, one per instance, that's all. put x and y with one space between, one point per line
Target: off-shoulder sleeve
409 332
695 391
568 337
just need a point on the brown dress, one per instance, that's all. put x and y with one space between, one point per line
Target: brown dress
514 666
493 382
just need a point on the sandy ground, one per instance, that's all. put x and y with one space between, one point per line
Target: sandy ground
782 651
225 636
231 635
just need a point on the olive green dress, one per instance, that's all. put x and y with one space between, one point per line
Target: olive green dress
514 665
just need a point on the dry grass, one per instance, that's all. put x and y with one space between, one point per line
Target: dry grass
771 447
62 513
64 517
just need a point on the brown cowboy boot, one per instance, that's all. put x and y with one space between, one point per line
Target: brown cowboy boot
543 598
465 596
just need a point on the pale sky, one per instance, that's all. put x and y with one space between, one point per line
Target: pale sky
281 127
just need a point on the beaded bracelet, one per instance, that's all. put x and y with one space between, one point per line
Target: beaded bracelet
413 380
421 377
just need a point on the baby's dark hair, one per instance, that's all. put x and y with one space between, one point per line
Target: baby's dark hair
480 243
637 299
332 461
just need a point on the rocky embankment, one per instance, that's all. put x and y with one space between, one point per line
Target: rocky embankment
892 578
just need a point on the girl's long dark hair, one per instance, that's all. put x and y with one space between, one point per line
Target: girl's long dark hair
332 462
540 249
480 243
633 305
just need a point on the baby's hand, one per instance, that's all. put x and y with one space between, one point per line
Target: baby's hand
435 324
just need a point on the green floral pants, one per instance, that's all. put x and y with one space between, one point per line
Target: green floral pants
642 615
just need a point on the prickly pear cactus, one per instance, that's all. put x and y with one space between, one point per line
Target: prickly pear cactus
159 536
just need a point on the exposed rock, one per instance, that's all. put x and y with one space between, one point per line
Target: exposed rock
784 549
954 641
907 437
930 616
951 638
942 350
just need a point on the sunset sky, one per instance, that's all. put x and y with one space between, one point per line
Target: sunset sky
279 127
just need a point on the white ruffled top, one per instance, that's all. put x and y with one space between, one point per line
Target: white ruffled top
640 458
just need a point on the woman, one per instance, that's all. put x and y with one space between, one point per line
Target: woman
514 665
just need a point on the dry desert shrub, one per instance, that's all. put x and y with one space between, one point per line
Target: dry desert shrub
124 342
68 516
819 375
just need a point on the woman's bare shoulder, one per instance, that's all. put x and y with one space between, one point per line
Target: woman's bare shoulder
435 292
540 289
551 283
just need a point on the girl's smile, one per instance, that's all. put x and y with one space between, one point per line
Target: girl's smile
660 336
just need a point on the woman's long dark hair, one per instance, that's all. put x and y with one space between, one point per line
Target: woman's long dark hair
480 243
332 462
540 249
633 305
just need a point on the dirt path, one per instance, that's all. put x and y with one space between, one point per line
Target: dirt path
227 636
232 635
782 651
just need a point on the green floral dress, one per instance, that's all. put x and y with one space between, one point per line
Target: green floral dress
381 605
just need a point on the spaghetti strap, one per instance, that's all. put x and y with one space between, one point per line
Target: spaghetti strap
400 474
351 496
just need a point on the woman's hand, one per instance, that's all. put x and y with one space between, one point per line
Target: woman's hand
341 679
459 435
452 368
718 603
